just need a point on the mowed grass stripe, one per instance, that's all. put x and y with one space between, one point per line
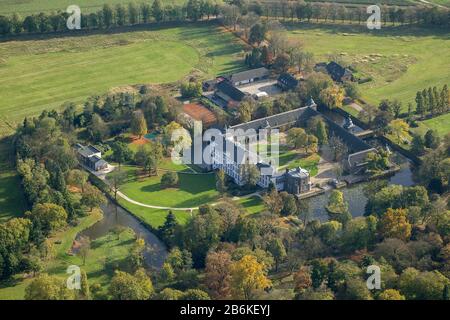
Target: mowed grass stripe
45 73
69 76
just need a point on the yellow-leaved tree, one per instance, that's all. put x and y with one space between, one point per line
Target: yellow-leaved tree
248 277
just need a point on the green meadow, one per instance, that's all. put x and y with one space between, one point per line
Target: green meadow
401 60
44 73
34 6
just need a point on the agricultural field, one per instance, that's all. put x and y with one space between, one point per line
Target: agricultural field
400 60
35 6
44 73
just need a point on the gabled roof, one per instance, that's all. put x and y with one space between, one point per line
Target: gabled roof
288 80
336 71
231 91
249 74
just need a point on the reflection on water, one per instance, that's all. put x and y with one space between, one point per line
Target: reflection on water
114 216
354 195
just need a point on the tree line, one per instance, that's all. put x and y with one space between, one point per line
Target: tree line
333 12
110 16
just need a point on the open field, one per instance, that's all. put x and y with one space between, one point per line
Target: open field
34 6
44 73
401 60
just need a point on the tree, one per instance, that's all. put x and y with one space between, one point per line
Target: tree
220 182
418 144
416 285
157 10
302 280
138 124
257 34
432 139
278 251
169 179
391 294
194 294
351 90
191 89
273 201
400 129
246 109
332 96
317 127
92 197
50 217
133 13
250 174
125 286
248 277
85 291
84 246
297 138
281 63
167 230
394 224
218 274
115 180
108 15
289 204
420 105
136 256
337 207
338 148
121 152
45 287
78 178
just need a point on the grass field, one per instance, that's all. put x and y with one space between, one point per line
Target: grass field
39 74
441 124
34 6
401 60
192 191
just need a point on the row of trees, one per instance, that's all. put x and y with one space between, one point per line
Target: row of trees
332 12
108 16
433 101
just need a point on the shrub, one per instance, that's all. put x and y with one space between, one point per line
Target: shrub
169 179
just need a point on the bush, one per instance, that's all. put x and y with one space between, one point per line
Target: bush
169 179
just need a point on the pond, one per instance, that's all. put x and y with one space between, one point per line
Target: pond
354 194
115 216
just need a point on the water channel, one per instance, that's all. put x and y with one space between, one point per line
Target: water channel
115 216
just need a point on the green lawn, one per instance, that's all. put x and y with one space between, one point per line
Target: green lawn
401 60
34 6
252 204
154 217
193 190
292 159
44 73
441 124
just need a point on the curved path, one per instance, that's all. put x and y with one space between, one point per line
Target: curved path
126 198
123 196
